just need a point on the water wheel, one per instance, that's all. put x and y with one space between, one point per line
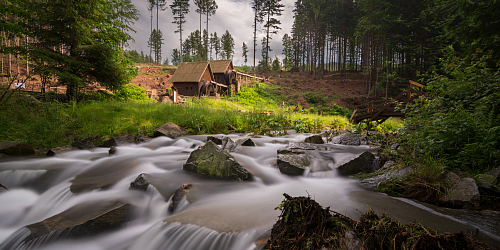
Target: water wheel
208 89
229 77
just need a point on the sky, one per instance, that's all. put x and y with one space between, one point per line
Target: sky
236 16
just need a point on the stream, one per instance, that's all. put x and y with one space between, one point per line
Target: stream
216 214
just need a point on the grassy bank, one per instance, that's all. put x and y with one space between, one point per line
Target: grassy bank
54 124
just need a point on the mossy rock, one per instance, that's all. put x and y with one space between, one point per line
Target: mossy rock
212 161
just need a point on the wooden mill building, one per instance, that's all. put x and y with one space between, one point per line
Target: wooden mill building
189 77
224 73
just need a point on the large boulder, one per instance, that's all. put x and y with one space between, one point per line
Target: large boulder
360 164
61 150
16 148
462 193
347 139
316 139
169 129
213 161
84 219
490 180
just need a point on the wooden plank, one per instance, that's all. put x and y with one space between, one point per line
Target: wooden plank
416 84
218 84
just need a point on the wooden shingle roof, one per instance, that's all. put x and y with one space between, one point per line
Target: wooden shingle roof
220 66
190 72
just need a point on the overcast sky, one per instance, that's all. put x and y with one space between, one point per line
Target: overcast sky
236 16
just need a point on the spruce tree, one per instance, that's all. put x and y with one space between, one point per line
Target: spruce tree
180 8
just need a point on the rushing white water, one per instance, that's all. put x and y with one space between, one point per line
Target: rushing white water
216 214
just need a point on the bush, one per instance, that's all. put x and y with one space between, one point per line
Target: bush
460 122
131 92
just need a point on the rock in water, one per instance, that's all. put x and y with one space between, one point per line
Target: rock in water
216 140
347 139
140 183
60 150
82 144
81 220
361 164
213 161
293 162
16 148
169 129
246 142
112 150
316 139
177 197
228 144
120 141
463 192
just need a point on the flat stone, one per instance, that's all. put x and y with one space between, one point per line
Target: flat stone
84 219
213 161
16 148
169 129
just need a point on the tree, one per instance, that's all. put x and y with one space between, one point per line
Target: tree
78 42
276 66
207 7
179 9
151 5
287 51
245 51
216 44
155 42
258 19
176 57
166 62
271 8
227 43
161 5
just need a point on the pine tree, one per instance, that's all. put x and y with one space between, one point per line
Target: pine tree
258 19
227 43
245 51
155 42
179 9
176 57
270 9
216 43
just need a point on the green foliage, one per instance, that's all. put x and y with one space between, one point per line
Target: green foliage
461 120
131 92
390 125
276 66
248 96
307 125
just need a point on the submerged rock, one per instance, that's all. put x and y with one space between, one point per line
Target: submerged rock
347 139
316 139
213 161
178 196
361 164
463 192
140 183
169 129
102 176
61 150
16 148
112 150
84 219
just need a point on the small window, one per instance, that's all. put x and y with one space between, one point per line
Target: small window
187 88
191 88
